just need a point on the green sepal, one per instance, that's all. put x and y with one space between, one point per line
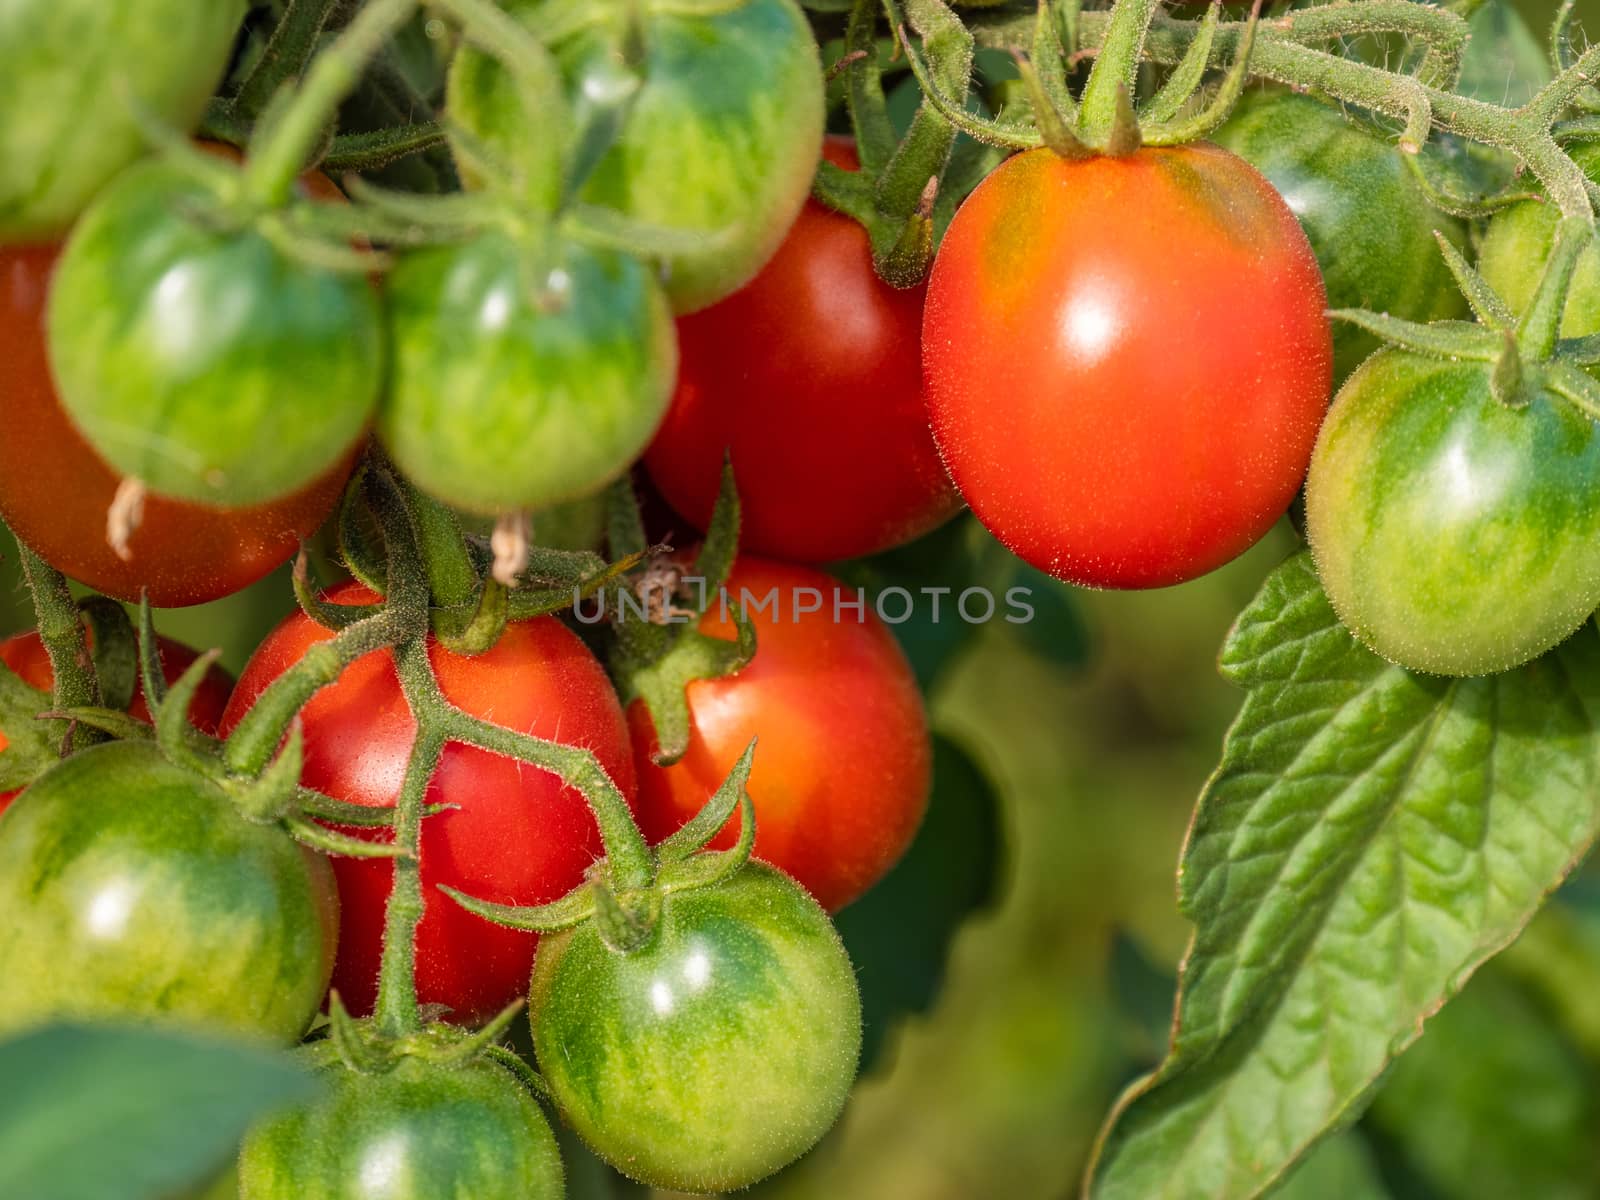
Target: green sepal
453 1050
528 602
844 191
708 822
483 630
1186 76
626 921
180 741
1441 339
1508 383
1054 123
1575 386
308 594
711 867
657 663
1201 125
356 1049
113 721
312 803
1012 135
374 149
275 793
115 650
526 1075
452 214
1585 351
1485 303
339 845
576 907
361 557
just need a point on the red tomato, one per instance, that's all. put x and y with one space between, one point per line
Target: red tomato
810 375
843 762
518 835
25 655
1127 361
54 490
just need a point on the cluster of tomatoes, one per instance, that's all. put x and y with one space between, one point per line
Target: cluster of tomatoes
1121 363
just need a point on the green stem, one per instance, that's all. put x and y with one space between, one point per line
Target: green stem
1541 324
628 856
1115 69
286 54
397 977
61 630
287 144
372 150
1279 56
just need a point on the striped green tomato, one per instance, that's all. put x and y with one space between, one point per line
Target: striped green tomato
1454 534
715 1055
1518 243
416 1131
1367 217
134 889
77 73
722 138
503 396
203 360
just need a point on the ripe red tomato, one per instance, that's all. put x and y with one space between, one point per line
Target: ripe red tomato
1127 360
518 835
54 490
843 764
810 375
25 655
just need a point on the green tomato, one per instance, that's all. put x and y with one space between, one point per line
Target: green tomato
1454 534
1369 222
76 72
1518 244
202 360
722 138
539 398
416 1131
715 1055
134 889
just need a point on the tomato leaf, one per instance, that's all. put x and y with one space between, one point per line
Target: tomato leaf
96 1113
1370 837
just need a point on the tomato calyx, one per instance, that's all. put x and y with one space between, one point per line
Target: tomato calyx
659 649
1524 356
624 891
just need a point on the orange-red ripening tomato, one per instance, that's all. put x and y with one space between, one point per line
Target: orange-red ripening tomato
811 376
1127 360
25 655
517 836
843 762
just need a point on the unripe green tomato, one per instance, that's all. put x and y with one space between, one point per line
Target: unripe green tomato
75 74
133 889
544 395
1454 534
722 138
1369 222
1517 244
418 1131
204 361
715 1055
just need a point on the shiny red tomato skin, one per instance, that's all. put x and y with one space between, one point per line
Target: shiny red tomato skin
518 835
843 762
1127 361
25 655
54 489
811 376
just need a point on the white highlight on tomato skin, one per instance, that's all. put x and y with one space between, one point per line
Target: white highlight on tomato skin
697 970
1088 326
661 998
110 910
496 311
383 1169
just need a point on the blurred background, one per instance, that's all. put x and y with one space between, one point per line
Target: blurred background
1017 967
